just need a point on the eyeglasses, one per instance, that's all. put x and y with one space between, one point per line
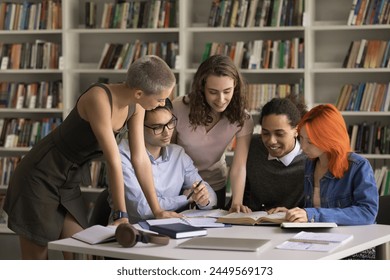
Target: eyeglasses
157 130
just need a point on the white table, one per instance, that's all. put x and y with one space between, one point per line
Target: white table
365 237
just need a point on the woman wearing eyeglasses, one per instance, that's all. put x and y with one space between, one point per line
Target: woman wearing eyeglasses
174 173
209 117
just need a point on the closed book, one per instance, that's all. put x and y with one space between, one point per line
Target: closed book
178 230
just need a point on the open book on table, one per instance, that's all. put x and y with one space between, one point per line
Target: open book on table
253 218
316 241
96 234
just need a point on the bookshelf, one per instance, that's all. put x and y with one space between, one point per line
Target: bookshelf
330 37
324 31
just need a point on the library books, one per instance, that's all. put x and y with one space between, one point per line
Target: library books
45 15
316 241
253 13
268 54
367 97
140 14
120 56
370 138
21 132
365 12
178 230
30 55
367 54
253 218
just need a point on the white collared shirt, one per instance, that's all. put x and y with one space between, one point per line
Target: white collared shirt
287 159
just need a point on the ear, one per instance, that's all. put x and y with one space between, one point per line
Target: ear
296 131
138 94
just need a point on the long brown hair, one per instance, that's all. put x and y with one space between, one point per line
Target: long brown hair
200 110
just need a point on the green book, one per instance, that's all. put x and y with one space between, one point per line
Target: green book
386 186
206 52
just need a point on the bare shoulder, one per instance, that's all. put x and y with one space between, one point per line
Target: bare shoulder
92 101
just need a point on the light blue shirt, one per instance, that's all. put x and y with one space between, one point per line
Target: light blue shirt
173 172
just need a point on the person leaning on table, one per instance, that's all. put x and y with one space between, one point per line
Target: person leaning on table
44 201
339 185
209 117
174 173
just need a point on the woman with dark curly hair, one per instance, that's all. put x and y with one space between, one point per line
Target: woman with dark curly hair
209 117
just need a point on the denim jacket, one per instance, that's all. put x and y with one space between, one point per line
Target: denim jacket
351 200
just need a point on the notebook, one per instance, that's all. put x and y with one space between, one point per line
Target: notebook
228 244
178 230
312 241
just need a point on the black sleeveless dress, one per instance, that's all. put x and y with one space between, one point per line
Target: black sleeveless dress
46 183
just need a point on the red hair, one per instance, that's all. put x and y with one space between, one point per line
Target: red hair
326 129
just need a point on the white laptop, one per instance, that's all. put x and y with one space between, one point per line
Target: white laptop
221 243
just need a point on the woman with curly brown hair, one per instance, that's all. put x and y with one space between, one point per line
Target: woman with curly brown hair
209 117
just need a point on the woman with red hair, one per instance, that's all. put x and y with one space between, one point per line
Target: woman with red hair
339 185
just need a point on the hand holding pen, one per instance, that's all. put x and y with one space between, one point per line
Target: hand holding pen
199 194
192 192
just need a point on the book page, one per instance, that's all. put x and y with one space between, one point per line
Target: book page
253 215
214 213
305 246
242 218
278 217
96 234
315 241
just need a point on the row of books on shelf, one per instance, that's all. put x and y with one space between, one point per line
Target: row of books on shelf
121 55
135 14
369 97
382 179
44 94
29 15
23 132
30 55
252 13
3 215
259 94
368 54
365 12
7 167
260 54
370 138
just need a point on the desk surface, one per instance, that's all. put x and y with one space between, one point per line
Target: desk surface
365 237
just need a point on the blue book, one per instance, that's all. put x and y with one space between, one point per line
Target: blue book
359 96
386 56
178 230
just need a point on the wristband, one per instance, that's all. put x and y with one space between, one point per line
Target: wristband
119 215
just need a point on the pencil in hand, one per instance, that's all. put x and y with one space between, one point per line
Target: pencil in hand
192 192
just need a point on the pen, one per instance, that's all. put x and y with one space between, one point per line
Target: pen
192 192
308 241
